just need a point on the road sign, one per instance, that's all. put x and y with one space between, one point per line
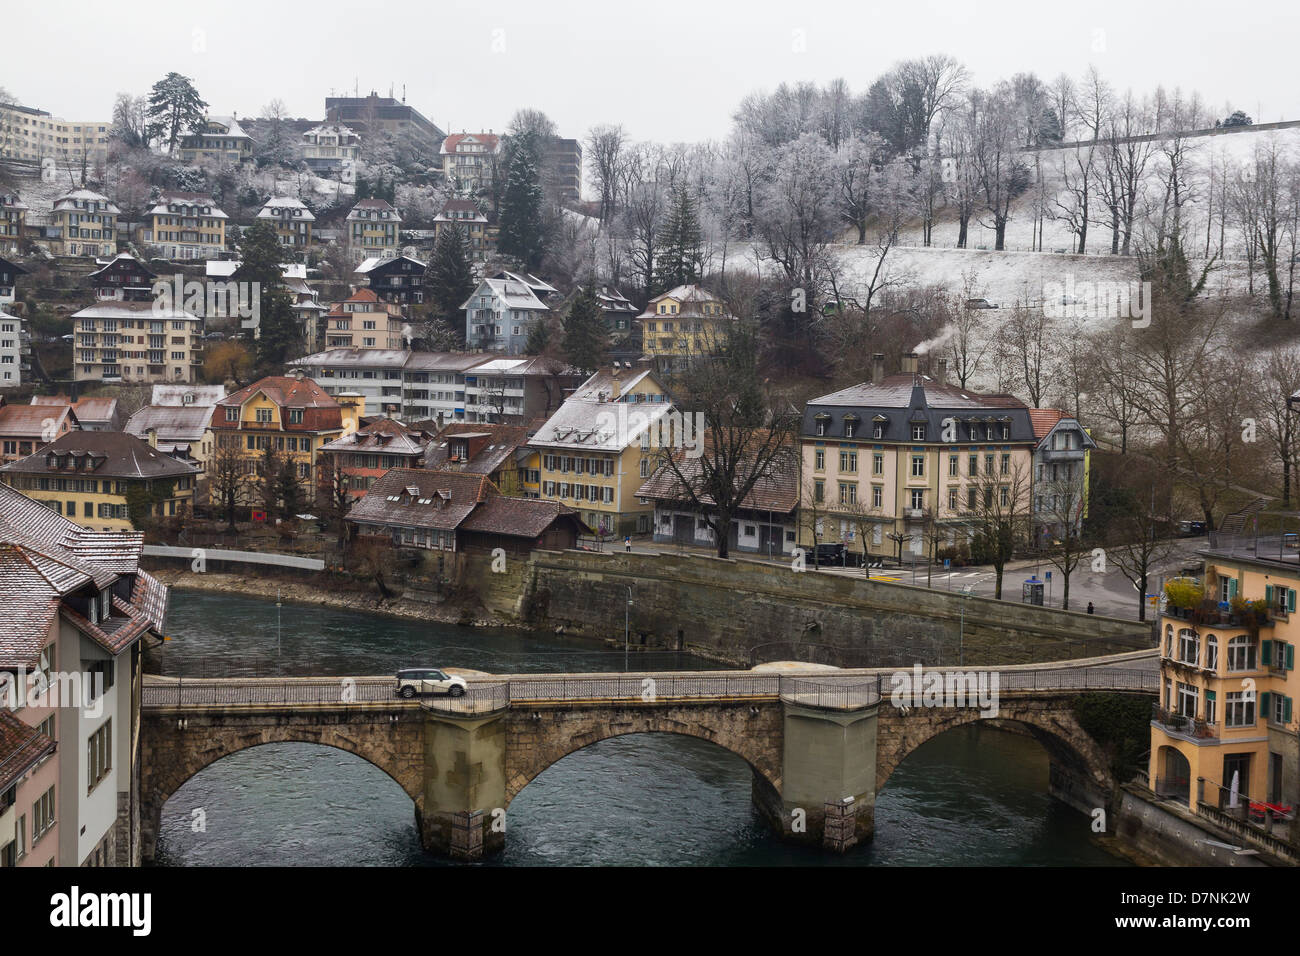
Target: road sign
947 564
1047 576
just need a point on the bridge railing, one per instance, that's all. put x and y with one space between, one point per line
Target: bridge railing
644 687
830 696
480 698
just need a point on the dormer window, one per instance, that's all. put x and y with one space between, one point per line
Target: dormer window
918 433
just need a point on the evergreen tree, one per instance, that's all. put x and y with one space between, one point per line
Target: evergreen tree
276 334
586 340
539 337
522 234
449 278
288 490
174 106
681 256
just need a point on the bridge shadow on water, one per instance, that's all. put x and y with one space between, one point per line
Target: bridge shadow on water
976 795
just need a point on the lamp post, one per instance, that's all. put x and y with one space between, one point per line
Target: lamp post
961 633
626 613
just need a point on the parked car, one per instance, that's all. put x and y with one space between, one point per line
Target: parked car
979 304
830 554
422 681
1192 529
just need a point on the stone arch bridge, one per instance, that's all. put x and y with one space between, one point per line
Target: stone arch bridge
820 746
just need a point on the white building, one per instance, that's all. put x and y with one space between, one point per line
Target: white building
502 311
15 350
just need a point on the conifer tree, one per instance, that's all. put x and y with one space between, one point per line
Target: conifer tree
449 278
522 234
586 340
680 259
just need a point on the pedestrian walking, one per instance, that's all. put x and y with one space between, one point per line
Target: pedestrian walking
627 541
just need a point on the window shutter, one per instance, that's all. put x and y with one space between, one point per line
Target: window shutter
1266 652
1286 709
1290 600
1232 588
1290 657
1263 704
1268 594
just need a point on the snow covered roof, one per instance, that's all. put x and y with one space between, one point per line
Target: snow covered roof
513 293
69 200
185 203
373 209
229 127
285 207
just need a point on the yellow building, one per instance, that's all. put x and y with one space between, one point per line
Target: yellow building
684 321
1228 684
136 342
371 230
218 139
290 415
101 480
33 135
912 464
13 215
363 322
601 446
292 220
469 160
185 225
479 236
86 224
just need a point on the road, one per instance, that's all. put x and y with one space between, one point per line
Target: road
1110 592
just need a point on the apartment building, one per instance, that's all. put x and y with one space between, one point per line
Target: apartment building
79 608
1226 722
599 448
374 115
1061 462
137 343
84 223
291 415
469 160
217 139
517 390
564 169
185 225
32 135
911 463
15 350
398 280
371 230
501 312
330 148
479 237
362 321
13 215
105 481
683 322
367 454
292 221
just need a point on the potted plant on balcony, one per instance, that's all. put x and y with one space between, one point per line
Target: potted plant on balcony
1182 596
1207 612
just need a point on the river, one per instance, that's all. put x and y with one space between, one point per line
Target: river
972 796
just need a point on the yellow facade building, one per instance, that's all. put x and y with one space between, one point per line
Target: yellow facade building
13 217
104 480
371 230
685 321
185 225
1227 711
601 446
218 139
292 220
86 224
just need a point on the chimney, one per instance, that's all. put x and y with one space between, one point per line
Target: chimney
910 363
941 371
152 435
877 368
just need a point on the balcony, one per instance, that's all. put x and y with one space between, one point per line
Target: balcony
1062 454
1191 728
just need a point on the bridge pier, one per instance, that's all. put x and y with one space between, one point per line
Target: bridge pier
828 779
461 812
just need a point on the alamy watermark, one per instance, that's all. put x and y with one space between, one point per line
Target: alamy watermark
40 688
209 299
945 688
1098 300
671 429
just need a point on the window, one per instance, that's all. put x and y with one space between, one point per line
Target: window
819 460
850 429
877 464
988 464
877 496
952 499
1277 707
1006 464
1188 646
42 815
1211 707
1241 653
1004 496
99 756
295 416
952 465
918 498
819 491
970 498
973 464
849 461
848 493
1211 652
918 466
918 433
264 414
1239 709
232 414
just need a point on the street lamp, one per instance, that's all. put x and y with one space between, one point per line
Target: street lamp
626 613
961 633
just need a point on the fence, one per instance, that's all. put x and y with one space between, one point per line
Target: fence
838 691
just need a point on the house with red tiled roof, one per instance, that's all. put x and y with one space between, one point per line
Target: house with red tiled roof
286 416
1061 459
26 429
364 321
95 413
469 160
78 607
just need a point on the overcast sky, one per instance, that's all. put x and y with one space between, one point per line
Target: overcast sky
668 70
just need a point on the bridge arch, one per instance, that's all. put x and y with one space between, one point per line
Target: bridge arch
537 740
173 754
1051 722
